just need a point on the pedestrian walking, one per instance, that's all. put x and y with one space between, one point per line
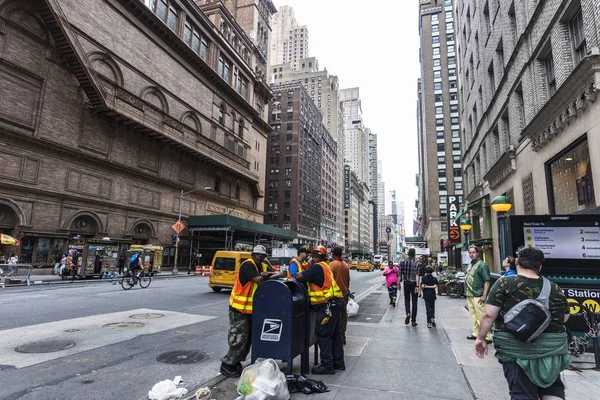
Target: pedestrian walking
428 286
56 270
477 286
509 266
421 269
531 368
121 264
98 264
410 277
12 262
326 300
252 273
299 264
391 281
63 265
341 275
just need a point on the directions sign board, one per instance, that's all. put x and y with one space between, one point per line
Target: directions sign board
453 206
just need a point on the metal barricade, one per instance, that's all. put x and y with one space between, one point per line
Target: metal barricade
15 274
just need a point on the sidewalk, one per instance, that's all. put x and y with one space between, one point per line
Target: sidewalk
386 359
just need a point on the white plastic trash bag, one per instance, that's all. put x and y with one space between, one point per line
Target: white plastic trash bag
352 308
263 381
167 389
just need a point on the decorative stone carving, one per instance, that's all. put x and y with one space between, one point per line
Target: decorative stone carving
130 99
173 123
573 109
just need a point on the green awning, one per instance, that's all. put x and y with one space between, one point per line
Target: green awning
227 222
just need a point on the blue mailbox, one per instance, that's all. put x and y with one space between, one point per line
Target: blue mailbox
280 326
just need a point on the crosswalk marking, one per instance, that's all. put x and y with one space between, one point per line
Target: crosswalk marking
87 333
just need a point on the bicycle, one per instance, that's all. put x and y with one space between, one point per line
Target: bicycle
142 278
456 287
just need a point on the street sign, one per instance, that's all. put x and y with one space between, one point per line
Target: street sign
388 230
453 205
178 226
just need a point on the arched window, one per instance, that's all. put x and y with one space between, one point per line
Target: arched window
237 191
233 121
217 184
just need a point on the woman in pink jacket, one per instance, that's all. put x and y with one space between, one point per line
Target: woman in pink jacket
391 281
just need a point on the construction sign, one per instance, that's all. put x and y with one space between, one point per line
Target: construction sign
178 226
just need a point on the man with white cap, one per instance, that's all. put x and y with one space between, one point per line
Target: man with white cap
252 273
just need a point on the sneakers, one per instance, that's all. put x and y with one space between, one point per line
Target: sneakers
321 370
429 325
407 319
230 371
433 322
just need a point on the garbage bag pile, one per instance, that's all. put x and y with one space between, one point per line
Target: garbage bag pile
305 385
263 381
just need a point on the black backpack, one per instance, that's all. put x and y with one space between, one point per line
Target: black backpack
529 318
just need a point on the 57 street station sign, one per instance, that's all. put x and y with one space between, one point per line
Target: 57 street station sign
453 206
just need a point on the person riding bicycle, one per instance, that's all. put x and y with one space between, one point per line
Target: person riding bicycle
135 263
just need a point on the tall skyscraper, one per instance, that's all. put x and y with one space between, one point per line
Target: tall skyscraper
439 119
530 81
323 89
356 135
289 41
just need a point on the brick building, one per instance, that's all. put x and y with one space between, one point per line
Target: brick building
295 158
111 109
529 81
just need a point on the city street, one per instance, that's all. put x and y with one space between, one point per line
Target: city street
111 338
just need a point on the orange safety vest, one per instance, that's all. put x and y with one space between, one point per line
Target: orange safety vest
241 296
301 267
321 295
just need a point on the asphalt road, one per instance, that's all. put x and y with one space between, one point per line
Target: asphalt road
98 341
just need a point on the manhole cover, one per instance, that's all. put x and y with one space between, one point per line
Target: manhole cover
123 325
72 330
146 316
182 357
47 346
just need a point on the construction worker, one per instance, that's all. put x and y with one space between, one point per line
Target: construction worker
240 309
326 301
299 264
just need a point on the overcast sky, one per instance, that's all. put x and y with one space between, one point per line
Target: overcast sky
374 45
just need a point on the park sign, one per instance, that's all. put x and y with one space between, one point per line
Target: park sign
453 206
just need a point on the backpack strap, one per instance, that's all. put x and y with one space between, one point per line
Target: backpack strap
544 296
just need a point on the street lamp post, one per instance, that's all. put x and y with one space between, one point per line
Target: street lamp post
466 226
501 204
175 270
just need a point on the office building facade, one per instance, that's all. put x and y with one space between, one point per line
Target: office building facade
530 77
289 41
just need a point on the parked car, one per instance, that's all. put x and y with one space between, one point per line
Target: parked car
365 266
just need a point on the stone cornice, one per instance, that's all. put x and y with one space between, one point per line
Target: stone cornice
502 169
568 102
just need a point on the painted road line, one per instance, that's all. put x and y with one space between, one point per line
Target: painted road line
18 298
87 333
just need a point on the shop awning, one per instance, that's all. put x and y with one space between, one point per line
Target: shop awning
229 222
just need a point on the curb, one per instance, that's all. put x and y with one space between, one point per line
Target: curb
93 281
211 384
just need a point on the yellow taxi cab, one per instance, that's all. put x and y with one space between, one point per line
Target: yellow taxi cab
353 264
225 266
365 266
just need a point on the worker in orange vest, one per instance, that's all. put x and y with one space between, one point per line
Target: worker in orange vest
252 273
326 300
299 264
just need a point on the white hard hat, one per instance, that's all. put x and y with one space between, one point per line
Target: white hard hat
259 249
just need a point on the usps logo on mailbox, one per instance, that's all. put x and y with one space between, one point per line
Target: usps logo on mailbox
271 330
